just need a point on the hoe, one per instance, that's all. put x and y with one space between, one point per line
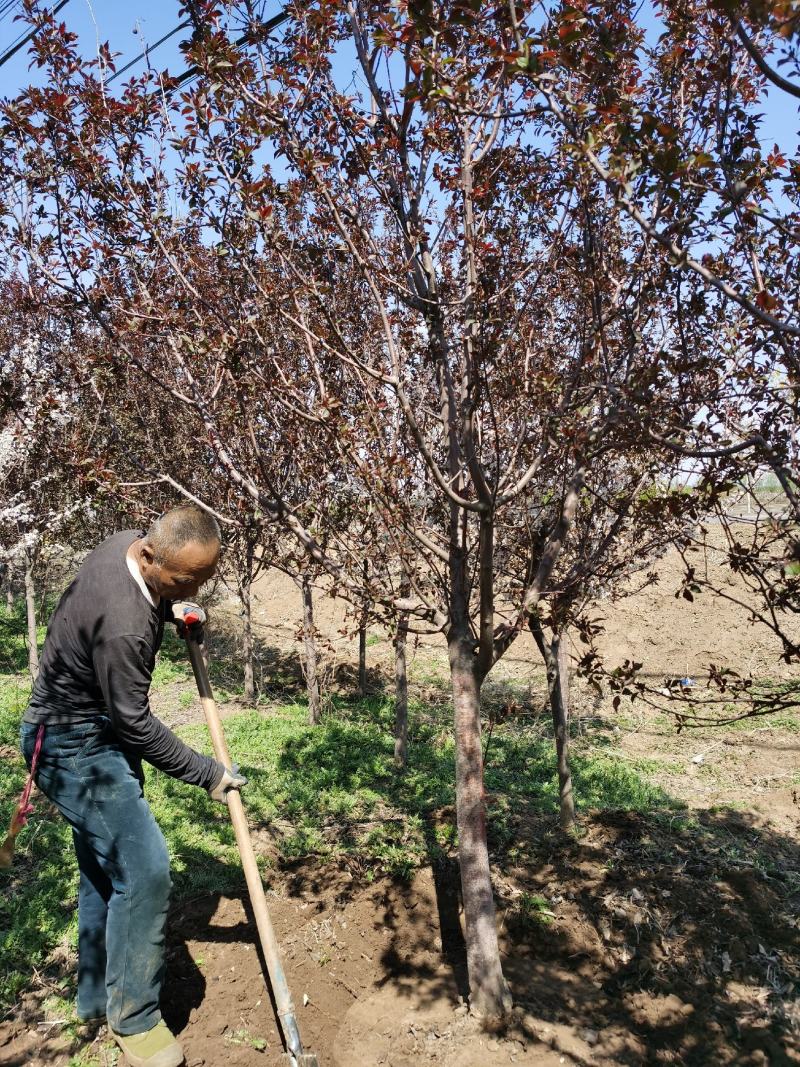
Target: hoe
295 1056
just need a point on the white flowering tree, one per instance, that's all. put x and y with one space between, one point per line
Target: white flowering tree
42 494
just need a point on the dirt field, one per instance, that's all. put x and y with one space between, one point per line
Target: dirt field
651 938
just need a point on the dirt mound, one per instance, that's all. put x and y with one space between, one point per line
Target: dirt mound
669 635
641 943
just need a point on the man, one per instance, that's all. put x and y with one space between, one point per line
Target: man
91 695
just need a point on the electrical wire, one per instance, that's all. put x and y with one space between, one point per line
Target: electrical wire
21 41
150 48
6 7
189 74
193 72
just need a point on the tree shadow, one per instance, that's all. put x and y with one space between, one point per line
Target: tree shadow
657 936
664 939
666 936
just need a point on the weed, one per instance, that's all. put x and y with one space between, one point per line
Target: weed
326 791
532 911
244 1037
447 837
167 671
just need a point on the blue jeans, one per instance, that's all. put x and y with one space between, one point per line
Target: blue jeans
124 870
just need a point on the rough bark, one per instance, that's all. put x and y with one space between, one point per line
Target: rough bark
247 642
362 643
30 607
401 693
248 649
489 992
559 703
362 660
310 653
556 663
8 581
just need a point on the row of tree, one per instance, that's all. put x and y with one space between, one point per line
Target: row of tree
469 336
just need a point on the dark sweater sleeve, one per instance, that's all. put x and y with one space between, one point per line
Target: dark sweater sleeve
124 680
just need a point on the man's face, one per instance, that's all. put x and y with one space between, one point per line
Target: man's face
179 577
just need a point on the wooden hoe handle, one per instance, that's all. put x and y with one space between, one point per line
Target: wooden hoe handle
266 933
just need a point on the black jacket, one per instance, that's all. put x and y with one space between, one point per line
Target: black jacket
98 659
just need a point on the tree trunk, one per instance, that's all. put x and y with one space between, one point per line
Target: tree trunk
362 660
42 613
8 579
310 651
30 606
362 642
245 596
247 642
401 693
489 992
559 704
556 663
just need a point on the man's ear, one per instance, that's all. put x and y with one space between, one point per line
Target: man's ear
147 554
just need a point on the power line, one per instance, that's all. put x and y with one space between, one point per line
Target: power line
6 7
12 50
187 75
193 72
150 48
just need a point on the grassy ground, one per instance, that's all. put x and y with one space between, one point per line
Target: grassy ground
332 795
330 791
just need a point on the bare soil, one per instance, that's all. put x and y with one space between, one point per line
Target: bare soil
644 939
654 949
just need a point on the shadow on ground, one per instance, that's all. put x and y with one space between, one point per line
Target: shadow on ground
649 940
655 936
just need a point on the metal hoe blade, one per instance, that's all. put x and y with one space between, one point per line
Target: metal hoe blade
295 1056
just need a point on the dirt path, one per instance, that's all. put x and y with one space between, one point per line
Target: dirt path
649 939
643 942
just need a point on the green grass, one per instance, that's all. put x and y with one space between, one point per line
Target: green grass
13 639
172 664
779 690
330 791
37 896
532 910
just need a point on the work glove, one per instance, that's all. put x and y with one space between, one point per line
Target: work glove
231 779
183 609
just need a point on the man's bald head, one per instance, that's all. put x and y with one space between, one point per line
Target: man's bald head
179 552
179 527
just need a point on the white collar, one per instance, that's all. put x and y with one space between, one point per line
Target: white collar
136 574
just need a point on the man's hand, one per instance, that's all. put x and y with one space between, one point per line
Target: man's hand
231 779
189 619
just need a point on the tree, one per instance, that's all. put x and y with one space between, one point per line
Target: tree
682 150
39 507
401 685
427 291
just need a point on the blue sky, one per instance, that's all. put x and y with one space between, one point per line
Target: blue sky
129 27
